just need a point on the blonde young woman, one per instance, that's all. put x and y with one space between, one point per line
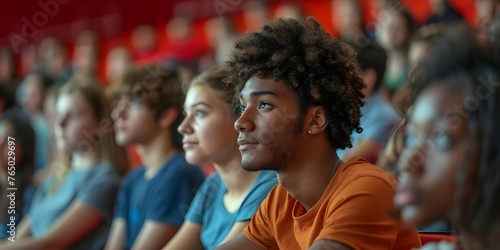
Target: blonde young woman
72 209
227 200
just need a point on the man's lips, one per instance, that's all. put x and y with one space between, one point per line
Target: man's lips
246 144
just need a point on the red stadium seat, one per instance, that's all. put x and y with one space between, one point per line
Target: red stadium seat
426 238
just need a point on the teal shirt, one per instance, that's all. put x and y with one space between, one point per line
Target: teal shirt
208 210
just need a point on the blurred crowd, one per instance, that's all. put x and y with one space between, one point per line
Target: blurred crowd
389 50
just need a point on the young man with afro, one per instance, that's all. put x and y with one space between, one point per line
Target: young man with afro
300 100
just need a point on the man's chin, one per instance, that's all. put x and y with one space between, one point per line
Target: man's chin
254 166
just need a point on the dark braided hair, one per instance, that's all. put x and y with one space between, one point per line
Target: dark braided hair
320 71
460 61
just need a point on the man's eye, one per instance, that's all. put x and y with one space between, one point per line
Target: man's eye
265 105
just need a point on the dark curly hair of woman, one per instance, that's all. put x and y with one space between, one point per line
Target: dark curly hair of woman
321 71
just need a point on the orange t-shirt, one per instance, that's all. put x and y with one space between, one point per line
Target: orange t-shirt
354 210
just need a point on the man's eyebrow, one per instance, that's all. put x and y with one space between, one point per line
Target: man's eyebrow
260 93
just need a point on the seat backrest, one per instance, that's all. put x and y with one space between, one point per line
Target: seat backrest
426 238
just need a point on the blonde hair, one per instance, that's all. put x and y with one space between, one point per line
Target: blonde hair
108 151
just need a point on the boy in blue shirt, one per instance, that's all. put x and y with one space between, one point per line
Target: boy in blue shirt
153 199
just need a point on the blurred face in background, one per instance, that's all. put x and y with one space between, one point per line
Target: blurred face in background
392 31
143 39
434 152
135 123
32 98
347 17
487 11
74 124
118 62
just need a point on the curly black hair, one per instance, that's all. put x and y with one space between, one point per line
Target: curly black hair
460 61
320 71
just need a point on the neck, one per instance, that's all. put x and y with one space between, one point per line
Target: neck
237 180
155 153
84 160
306 179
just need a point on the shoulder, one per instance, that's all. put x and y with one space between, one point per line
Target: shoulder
278 197
359 170
267 176
179 166
134 173
103 172
212 183
265 181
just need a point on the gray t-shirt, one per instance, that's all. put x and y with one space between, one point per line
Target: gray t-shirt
95 187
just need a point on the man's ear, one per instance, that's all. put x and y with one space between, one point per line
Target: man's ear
167 118
317 121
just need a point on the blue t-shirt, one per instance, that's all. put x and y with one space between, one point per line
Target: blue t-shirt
378 120
208 209
96 187
165 198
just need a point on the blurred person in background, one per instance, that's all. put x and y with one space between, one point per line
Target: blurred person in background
145 44
255 13
17 159
288 10
421 45
28 58
54 60
488 18
31 96
7 98
221 36
182 46
443 13
8 70
154 197
73 208
118 61
395 27
86 55
378 117
348 20
449 164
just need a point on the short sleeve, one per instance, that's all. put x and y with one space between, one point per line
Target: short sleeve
349 222
100 191
172 197
205 195
259 229
266 181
